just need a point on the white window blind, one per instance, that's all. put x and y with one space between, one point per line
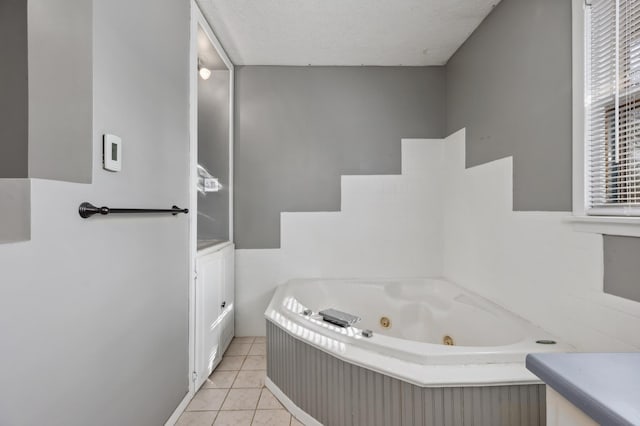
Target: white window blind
613 108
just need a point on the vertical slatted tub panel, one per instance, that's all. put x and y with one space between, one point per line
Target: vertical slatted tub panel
532 397
467 409
354 397
337 393
524 406
362 397
542 400
437 406
428 413
449 404
485 407
477 407
270 350
347 394
494 405
391 401
334 391
505 406
372 398
326 394
291 370
312 389
396 401
406 399
341 392
311 381
514 405
378 404
455 409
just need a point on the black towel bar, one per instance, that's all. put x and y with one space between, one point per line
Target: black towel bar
87 210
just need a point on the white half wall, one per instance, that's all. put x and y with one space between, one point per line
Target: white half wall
440 219
532 263
388 226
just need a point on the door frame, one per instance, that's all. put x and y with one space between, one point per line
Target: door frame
198 20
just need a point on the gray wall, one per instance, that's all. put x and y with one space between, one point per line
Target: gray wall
622 266
15 199
299 128
60 89
14 91
213 154
93 313
510 86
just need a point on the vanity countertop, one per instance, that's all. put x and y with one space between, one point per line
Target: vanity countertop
605 386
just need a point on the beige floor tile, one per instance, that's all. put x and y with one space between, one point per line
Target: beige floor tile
196 418
260 339
272 418
207 400
230 363
250 379
268 401
258 349
243 339
255 362
241 399
238 349
296 422
220 379
234 418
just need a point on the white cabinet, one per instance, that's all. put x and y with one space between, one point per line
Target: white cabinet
228 297
214 308
561 412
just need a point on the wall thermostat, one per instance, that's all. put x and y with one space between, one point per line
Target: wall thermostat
112 153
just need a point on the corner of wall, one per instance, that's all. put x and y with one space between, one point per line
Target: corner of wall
15 199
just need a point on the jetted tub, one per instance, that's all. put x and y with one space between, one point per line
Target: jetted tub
422 314
427 333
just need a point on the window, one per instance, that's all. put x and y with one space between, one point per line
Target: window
612 178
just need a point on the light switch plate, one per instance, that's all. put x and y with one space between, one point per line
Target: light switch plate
112 153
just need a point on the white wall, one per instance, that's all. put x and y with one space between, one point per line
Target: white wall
93 313
440 219
533 263
388 226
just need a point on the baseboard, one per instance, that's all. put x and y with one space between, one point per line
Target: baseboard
297 412
179 410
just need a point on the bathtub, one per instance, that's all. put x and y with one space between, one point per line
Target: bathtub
411 319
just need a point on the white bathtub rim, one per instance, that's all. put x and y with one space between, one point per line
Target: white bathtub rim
424 375
442 350
297 412
442 355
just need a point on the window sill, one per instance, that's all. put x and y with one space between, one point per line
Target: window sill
608 225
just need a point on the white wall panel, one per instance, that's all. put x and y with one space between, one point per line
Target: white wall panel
440 219
389 226
532 263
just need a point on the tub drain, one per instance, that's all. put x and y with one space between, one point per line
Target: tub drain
448 340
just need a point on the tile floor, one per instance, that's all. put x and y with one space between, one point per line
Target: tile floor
234 394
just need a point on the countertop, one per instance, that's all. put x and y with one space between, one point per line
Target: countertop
605 386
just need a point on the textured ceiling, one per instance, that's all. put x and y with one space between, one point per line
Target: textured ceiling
343 32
